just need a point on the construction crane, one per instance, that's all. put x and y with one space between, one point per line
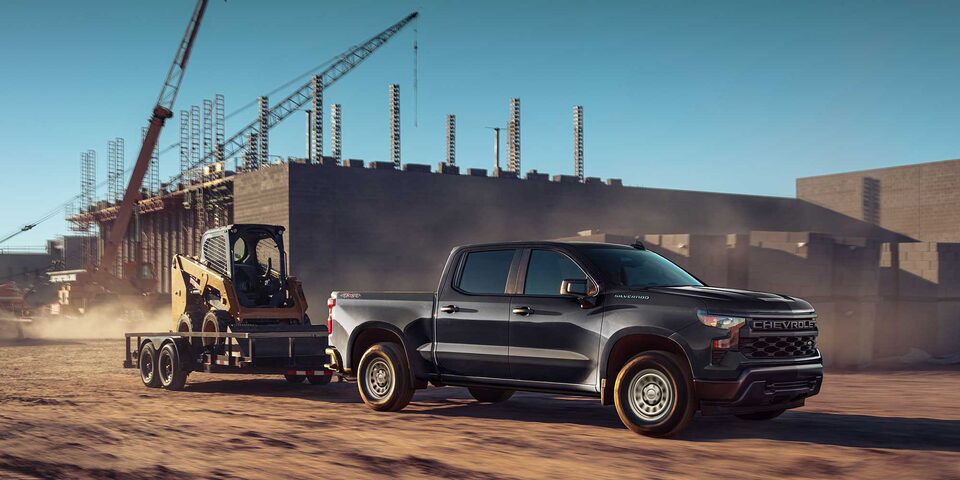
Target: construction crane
302 95
88 283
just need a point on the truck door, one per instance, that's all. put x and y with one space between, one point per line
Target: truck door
473 315
552 339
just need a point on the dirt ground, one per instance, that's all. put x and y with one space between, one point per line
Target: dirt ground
67 410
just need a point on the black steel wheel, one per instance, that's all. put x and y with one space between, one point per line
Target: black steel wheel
654 395
490 395
383 378
759 416
147 363
172 374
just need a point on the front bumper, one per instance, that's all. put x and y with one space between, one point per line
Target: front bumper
760 389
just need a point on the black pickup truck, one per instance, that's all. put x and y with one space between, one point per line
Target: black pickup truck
617 322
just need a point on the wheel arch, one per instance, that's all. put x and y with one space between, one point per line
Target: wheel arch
626 344
370 333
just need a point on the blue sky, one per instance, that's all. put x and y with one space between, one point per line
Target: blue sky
738 96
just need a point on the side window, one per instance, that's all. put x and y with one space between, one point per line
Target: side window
486 272
547 269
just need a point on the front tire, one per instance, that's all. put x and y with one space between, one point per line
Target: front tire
490 395
653 395
147 363
383 378
759 416
172 374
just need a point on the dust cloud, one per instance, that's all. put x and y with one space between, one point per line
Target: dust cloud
106 323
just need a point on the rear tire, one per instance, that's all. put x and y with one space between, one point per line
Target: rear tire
653 395
172 374
490 395
147 363
294 378
383 378
760 416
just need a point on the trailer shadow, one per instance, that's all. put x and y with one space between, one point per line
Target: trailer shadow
825 428
334 392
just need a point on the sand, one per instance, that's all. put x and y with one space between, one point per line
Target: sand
68 410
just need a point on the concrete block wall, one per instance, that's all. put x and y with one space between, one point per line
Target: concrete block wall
919 201
705 256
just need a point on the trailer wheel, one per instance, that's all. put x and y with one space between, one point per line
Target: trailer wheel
653 395
319 379
147 363
172 375
295 378
490 395
383 378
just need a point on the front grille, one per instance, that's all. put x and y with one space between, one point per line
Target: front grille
779 347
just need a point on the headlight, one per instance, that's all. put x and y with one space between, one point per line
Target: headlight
720 321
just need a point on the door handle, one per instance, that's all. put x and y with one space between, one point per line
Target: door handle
523 311
449 309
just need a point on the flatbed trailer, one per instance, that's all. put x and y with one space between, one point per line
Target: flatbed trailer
166 358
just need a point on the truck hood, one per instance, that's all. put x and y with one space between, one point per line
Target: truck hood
728 300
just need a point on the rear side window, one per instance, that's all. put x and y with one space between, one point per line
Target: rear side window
547 270
486 272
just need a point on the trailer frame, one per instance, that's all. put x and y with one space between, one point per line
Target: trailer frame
232 359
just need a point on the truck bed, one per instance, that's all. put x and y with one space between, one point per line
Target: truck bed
410 314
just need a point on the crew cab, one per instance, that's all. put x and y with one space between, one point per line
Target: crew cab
617 322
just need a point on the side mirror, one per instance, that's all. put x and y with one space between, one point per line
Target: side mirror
574 287
581 290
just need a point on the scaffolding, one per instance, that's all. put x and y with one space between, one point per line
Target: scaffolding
207 151
115 162
395 125
250 154
263 132
578 141
316 131
219 127
451 139
335 150
513 137
195 146
184 142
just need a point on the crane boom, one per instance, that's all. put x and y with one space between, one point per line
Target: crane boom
296 100
161 112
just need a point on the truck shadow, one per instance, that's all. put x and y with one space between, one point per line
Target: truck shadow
861 431
847 430
335 392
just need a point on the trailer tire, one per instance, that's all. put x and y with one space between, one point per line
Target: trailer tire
295 378
383 378
490 395
147 364
171 372
319 379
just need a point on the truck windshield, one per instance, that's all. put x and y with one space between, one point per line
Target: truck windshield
632 268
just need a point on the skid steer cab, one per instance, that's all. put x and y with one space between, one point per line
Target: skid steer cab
240 279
